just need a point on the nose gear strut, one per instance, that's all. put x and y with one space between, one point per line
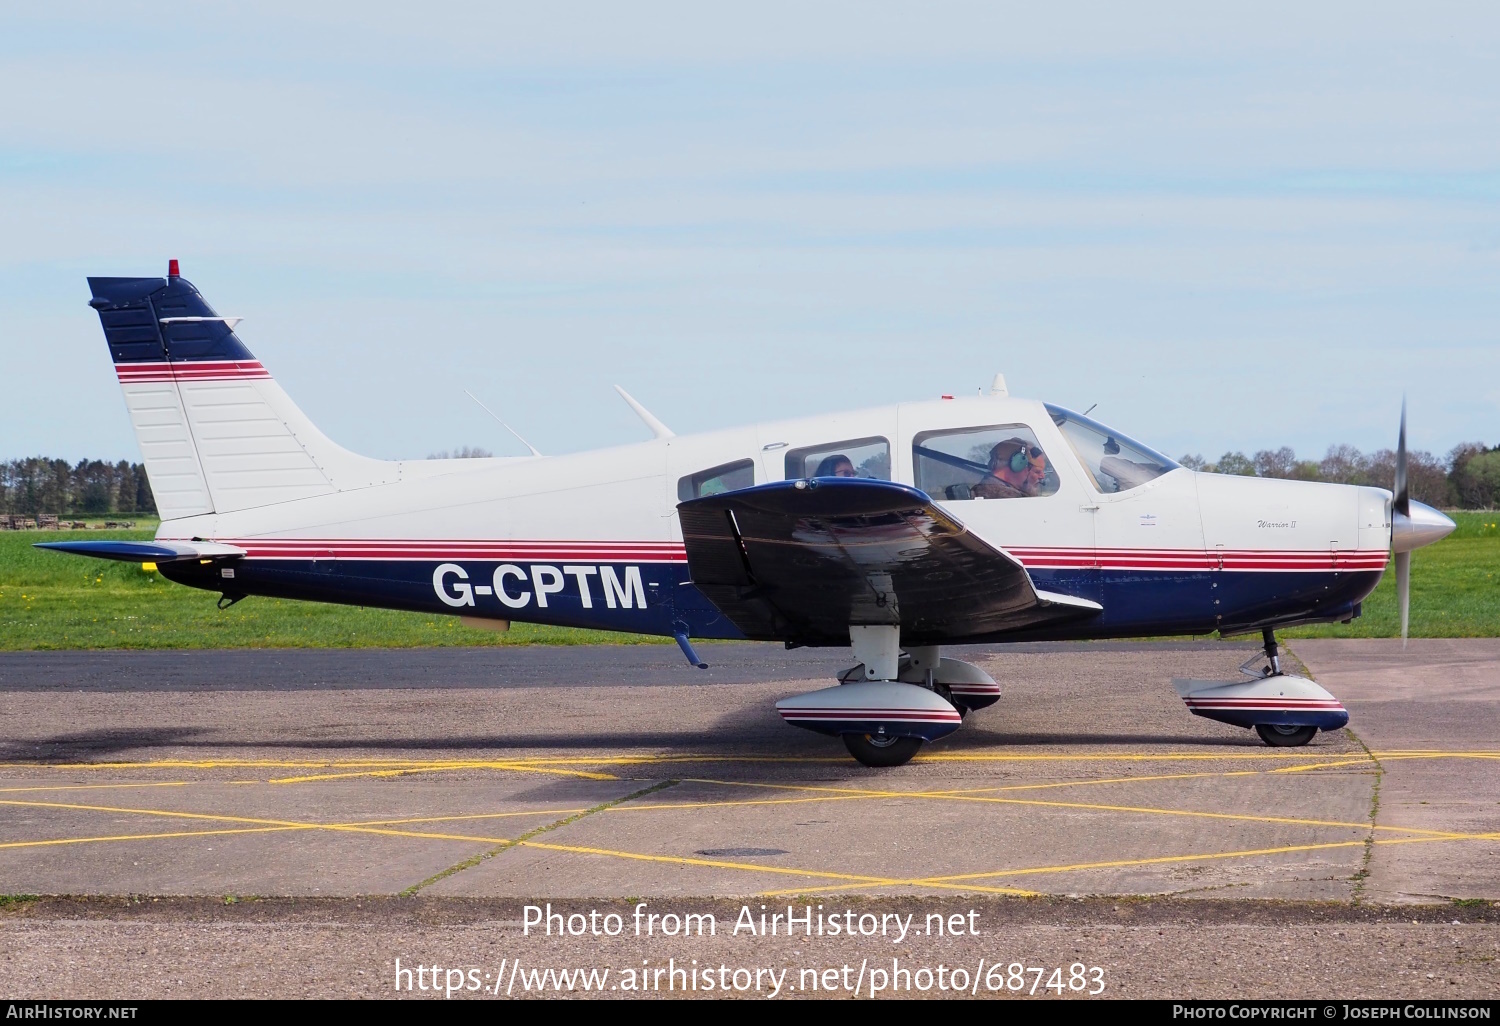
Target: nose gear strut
1273 658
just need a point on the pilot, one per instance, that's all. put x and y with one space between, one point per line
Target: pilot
836 466
1017 469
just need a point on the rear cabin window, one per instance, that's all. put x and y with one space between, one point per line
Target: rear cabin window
1003 461
858 457
727 477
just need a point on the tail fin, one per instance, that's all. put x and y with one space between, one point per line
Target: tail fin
216 431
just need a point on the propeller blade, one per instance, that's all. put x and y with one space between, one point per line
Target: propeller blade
1401 501
1403 590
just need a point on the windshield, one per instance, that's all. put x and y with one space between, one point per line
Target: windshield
1114 462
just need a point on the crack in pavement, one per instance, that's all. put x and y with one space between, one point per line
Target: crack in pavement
475 860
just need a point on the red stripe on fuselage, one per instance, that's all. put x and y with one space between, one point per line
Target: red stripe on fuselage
1300 560
504 551
618 551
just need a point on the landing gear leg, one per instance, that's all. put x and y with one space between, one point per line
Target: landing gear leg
878 648
1273 657
1279 735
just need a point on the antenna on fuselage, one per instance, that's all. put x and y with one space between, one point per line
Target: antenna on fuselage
1089 410
534 450
997 387
658 429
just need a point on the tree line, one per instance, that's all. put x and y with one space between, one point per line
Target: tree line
1467 478
87 488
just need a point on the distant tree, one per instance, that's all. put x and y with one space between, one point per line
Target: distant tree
1306 470
1468 487
1345 464
1194 461
122 488
1236 463
39 485
90 488
465 453
1426 476
57 478
1276 463
1476 477
1427 479
145 502
1485 469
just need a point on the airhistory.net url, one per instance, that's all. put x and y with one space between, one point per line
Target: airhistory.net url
512 978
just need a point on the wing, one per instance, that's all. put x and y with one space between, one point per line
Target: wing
801 561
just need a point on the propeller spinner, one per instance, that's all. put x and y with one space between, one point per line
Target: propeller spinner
1413 524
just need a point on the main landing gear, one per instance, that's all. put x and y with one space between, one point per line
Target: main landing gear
885 707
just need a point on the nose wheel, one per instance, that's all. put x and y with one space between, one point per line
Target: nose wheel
879 751
1281 736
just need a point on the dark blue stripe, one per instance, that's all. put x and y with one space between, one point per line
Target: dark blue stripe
1136 603
1323 719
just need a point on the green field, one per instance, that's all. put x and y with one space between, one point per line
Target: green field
52 601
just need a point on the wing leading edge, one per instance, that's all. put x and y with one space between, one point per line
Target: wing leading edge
801 561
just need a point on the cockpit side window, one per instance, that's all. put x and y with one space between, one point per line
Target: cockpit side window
1114 462
726 477
1002 461
858 457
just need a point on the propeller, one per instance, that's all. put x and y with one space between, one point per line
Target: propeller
1413 524
1401 506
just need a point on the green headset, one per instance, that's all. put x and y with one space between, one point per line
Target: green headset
1020 459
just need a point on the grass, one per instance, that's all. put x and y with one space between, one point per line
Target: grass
53 601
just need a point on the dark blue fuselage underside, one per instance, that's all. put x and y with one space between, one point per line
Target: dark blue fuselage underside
1136 602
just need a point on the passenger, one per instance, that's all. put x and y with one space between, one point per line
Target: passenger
836 466
1017 470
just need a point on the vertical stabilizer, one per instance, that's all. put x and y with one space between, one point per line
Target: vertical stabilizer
216 431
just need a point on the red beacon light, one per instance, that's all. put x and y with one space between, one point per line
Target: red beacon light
173 271
945 397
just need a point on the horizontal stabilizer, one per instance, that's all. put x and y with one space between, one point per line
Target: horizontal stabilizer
145 552
803 561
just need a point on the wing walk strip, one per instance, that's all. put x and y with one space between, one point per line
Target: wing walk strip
812 793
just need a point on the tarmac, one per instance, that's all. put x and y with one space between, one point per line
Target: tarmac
468 783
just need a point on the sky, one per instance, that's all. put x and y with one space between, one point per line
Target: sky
1230 226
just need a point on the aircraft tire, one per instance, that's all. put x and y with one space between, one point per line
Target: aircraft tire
1278 736
896 751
